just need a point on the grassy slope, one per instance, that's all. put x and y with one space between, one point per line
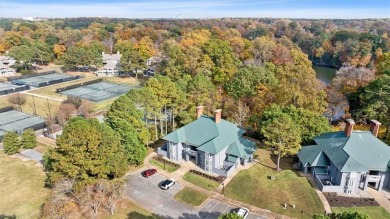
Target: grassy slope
373 212
253 187
200 181
22 189
190 196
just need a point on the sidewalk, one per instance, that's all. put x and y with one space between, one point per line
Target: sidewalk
178 174
380 198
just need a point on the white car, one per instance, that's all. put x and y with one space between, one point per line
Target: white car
167 184
243 212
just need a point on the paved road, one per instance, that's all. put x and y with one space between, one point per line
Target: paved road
146 192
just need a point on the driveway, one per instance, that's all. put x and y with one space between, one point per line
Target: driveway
146 192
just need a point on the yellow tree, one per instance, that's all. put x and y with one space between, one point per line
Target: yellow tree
145 47
59 50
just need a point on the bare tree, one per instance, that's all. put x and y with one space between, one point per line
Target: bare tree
109 42
114 193
348 79
65 112
17 99
338 105
241 113
85 108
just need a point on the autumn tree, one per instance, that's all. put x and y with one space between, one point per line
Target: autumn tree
86 151
349 79
297 84
11 143
17 99
383 64
373 102
28 139
65 112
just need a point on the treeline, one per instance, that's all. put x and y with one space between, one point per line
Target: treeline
327 42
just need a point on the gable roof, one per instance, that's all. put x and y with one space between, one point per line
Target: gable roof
212 137
360 152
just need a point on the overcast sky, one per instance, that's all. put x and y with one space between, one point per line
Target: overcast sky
197 8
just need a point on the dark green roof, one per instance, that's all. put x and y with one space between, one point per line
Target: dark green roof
360 152
212 137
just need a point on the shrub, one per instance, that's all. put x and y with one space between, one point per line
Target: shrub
29 140
11 143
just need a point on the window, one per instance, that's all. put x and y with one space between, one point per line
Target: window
208 162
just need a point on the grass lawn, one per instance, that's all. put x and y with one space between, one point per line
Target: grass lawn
190 196
376 212
43 148
42 105
128 209
159 164
253 186
22 189
200 181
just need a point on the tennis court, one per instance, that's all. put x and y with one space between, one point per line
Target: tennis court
18 122
10 88
45 79
99 91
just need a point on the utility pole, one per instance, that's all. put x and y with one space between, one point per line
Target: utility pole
35 109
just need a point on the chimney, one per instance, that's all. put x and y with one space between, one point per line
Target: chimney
374 127
218 114
349 127
199 111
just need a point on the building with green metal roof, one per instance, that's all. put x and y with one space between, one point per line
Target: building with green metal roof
349 160
212 143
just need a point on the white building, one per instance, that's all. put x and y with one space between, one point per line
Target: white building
5 66
110 65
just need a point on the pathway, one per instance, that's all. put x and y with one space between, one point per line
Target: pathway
41 96
322 197
380 198
178 174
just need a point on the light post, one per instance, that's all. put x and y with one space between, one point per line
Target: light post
223 188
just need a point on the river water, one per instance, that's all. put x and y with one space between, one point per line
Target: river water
325 74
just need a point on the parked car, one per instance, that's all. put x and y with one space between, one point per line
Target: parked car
149 172
167 184
243 212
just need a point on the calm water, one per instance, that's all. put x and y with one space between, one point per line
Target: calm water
325 74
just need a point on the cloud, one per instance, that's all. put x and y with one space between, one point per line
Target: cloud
183 9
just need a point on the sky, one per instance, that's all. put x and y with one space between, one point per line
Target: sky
348 9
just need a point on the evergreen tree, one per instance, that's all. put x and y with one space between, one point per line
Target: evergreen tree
135 150
230 215
87 150
29 140
11 143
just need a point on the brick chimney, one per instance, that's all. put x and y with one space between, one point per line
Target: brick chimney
218 114
374 127
349 127
199 111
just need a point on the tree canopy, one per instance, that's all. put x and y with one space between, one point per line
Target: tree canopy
87 150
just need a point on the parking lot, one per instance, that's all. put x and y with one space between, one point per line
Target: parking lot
146 192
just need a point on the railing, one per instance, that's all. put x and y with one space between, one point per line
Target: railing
162 152
326 188
373 177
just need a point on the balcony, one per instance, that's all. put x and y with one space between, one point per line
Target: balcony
325 184
373 177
